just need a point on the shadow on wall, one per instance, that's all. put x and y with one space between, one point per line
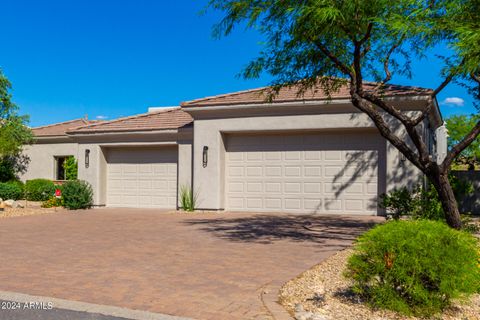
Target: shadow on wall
470 203
333 230
369 165
360 167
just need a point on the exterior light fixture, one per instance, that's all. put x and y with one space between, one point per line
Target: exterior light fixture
205 156
87 158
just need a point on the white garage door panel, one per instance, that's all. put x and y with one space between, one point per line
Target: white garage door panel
142 177
307 173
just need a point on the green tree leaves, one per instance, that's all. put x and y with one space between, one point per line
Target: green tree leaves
14 133
13 130
458 126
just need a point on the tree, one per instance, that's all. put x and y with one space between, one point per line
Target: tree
71 168
14 134
333 43
458 127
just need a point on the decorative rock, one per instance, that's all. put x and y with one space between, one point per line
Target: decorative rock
301 314
299 308
12 203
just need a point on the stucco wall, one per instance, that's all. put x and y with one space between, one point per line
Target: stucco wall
42 155
96 173
42 159
209 181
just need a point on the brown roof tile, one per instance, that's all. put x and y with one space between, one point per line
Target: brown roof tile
60 129
290 94
160 120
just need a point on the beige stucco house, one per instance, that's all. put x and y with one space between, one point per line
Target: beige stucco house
306 154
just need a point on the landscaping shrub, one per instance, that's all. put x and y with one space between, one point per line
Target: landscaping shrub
421 203
53 202
414 267
417 203
39 189
77 194
71 168
188 198
20 185
10 190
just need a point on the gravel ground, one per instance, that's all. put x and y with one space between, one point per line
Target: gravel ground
324 291
31 208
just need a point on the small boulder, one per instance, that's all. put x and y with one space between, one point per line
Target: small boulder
301 314
12 203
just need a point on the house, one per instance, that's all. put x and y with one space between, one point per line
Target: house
308 154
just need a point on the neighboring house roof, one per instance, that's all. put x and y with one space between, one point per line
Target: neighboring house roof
160 120
290 94
60 129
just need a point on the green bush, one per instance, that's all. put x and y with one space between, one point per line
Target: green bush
39 189
417 203
71 168
77 194
414 267
188 198
10 190
53 202
421 203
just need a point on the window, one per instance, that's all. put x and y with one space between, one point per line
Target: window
59 168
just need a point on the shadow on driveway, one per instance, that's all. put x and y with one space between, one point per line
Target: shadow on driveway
266 228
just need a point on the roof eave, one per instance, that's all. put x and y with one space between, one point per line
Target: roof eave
343 100
125 132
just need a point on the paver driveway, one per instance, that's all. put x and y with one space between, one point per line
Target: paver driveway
205 266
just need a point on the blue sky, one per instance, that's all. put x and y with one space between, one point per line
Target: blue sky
107 58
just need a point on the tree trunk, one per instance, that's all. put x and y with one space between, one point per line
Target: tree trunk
447 198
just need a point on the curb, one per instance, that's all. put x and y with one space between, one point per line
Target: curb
88 307
270 299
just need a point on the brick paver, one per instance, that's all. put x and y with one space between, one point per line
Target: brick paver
205 266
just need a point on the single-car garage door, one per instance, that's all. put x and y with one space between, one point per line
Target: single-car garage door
142 177
304 173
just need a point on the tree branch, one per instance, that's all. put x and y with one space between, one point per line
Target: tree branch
415 122
462 145
447 80
384 129
367 34
475 77
409 124
386 63
442 86
333 58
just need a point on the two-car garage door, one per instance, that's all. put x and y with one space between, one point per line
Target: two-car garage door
142 177
304 173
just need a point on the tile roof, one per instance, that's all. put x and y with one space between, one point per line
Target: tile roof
60 129
159 120
290 94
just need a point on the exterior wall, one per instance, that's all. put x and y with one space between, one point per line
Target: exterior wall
209 181
185 164
42 158
96 173
42 155
209 131
401 172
